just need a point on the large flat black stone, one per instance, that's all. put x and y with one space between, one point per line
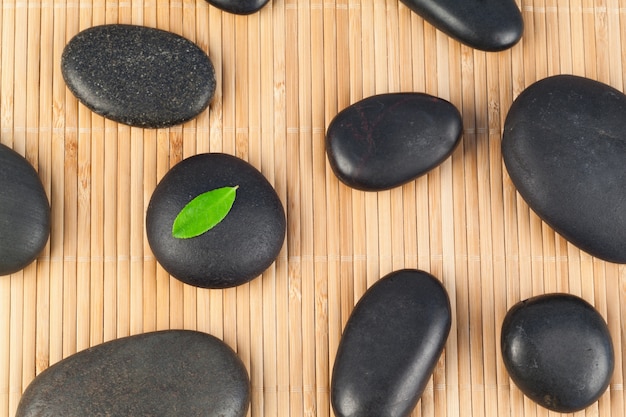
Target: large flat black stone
24 212
390 346
241 246
169 373
488 25
558 351
564 146
137 75
386 140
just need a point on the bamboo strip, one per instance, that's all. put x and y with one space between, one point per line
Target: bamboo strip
269 359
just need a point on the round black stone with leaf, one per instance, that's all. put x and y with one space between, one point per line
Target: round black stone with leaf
233 221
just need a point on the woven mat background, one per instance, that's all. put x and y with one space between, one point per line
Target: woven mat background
283 74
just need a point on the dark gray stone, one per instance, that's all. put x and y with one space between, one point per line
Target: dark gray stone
387 140
242 7
488 25
390 346
168 373
564 146
137 75
237 249
558 351
24 212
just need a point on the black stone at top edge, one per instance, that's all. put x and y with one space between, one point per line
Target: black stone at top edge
488 25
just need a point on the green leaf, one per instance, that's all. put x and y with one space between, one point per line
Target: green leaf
204 212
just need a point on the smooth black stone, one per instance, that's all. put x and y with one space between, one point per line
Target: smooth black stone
488 25
237 249
390 346
386 140
558 351
168 373
242 7
24 212
564 146
137 75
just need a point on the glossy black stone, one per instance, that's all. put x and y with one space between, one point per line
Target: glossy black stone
390 346
24 212
168 373
558 351
237 249
387 140
137 75
488 25
242 7
564 146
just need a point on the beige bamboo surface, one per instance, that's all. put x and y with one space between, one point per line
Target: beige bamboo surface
283 74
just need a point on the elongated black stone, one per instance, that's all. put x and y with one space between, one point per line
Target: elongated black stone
390 346
386 140
564 146
558 351
24 212
488 25
168 373
241 7
237 249
137 75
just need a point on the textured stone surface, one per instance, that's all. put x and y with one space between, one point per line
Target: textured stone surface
390 346
564 146
239 6
558 351
386 140
137 75
168 373
489 25
240 247
24 212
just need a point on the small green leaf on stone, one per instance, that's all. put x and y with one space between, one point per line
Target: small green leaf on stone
204 212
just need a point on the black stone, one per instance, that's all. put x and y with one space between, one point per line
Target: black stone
137 75
168 373
564 146
237 249
558 351
387 140
488 25
390 346
241 7
24 212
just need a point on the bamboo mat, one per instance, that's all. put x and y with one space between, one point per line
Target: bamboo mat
283 74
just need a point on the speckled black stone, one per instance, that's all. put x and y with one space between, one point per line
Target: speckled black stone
558 351
387 140
137 75
390 346
242 7
564 146
169 373
488 25
237 249
24 212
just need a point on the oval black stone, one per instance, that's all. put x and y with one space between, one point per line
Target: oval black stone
390 346
241 7
24 212
137 75
488 25
558 351
237 249
167 373
564 146
387 140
